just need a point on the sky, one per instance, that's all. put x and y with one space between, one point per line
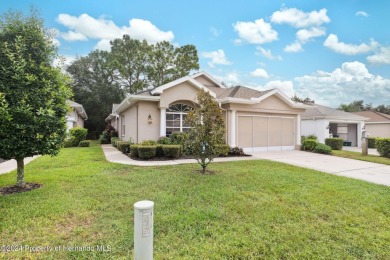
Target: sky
330 51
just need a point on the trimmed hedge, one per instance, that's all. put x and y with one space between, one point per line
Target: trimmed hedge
123 146
223 150
164 140
69 142
148 142
147 151
383 147
309 145
172 151
371 142
84 143
334 143
323 148
159 150
134 150
236 151
113 139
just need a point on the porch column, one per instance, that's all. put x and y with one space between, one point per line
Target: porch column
298 135
163 130
359 133
233 128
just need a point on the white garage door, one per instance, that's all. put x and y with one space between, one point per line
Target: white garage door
260 133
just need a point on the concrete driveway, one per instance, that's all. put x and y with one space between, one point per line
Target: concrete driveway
367 171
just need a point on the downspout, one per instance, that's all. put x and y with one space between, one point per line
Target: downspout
227 121
137 123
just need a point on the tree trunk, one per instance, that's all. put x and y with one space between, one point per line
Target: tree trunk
204 168
20 178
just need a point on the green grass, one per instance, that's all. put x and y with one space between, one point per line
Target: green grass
359 156
246 209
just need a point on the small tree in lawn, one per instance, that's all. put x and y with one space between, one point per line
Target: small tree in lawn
207 129
32 93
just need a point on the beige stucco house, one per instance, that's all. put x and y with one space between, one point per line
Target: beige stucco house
378 124
255 120
75 116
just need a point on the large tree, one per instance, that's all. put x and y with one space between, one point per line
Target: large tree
33 93
96 87
358 105
207 129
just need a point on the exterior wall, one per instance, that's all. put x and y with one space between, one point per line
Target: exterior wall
146 130
205 81
73 119
80 121
378 129
183 91
130 121
315 127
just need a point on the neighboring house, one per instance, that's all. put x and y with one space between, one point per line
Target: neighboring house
76 115
255 120
378 124
327 122
113 118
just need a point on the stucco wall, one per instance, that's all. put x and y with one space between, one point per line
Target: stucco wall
130 120
316 127
183 91
146 130
205 81
378 130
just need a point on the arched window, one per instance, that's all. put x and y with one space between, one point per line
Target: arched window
176 118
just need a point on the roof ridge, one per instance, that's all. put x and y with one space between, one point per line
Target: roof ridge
235 90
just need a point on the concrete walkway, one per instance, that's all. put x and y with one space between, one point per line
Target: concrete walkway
10 165
367 171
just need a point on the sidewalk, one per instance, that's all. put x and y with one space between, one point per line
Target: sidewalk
371 151
114 155
10 165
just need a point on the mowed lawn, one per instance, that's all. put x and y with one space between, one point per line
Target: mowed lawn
246 209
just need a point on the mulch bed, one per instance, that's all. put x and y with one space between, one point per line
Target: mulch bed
16 189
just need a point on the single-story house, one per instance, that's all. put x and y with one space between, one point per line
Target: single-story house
255 120
76 115
378 124
113 118
327 122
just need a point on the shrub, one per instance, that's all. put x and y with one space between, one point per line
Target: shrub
147 151
123 146
105 137
84 143
371 142
179 137
113 139
159 150
236 151
311 137
383 146
322 148
149 142
164 140
134 150
172 151
334 143
78 133
69 142
223 150
309 145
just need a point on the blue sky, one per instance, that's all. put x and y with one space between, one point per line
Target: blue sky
331 51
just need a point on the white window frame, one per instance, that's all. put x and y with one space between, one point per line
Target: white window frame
181 112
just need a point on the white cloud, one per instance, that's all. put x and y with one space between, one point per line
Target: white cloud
333 43
304 35
380 57
267 53
286 87
343 85
232 78
103 45
361 13
257 32
64 61
260 73
86 27
299 19
215 32
217 57
294 47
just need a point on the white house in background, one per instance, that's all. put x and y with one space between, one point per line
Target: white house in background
327 122
75 116
378 124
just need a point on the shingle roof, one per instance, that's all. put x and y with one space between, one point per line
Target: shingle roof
237 92
323 112
374 116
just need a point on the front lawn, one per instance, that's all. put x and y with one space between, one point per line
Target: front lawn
247 209
359 156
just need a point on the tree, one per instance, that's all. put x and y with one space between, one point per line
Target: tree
207 129
33 94
355 106
301 100
96 86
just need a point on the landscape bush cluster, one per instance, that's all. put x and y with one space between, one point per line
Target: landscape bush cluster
334 143
310 143
108 133
371 142
383 147
76 137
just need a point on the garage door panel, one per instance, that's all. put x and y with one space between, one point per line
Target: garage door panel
260 131
287 131
245 131
274 131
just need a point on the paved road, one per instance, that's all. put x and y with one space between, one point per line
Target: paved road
367 171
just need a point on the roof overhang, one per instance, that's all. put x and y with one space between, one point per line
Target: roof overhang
335 118
132 99
80 110
110 117
193 82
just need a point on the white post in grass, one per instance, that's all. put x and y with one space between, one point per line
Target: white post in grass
143 230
